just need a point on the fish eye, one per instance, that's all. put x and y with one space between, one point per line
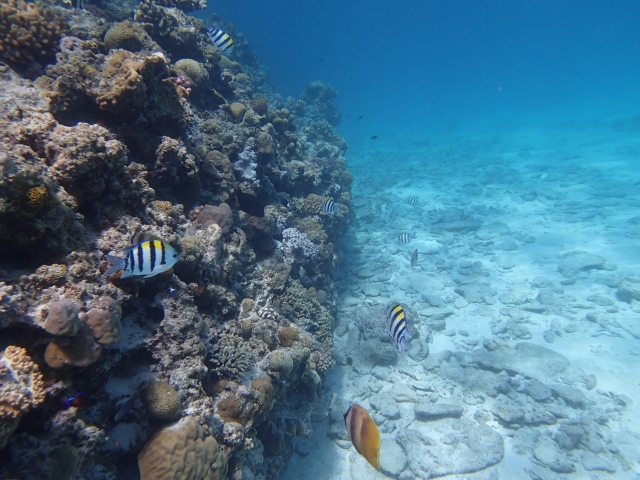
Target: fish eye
175 255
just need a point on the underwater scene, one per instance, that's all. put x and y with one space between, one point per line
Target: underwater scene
325 240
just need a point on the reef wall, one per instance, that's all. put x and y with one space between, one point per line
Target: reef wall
118 127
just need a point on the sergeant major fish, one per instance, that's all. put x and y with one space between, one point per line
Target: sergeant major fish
405 238
412 201
397 323
329 207
220 39
148 256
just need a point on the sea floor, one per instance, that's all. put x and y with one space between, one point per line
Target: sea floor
524 305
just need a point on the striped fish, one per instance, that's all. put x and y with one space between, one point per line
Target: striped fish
413 201
397 323
329 207
405 238
148 256
220 39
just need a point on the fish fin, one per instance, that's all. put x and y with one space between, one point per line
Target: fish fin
140 237
115 264
127 274
404 346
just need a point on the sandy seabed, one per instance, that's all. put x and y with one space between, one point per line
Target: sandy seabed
524 305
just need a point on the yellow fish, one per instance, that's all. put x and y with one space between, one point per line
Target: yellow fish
363 433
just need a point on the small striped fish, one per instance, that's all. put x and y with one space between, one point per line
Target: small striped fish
148 257
329 207
220 39
397 323
413 201
405 238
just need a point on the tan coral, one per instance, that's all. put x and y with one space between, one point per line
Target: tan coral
161 400
62 318
313 203
79 352
288 336
194 71
104 321
237 111
182 450
28 32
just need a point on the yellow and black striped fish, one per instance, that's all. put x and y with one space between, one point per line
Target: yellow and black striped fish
413 201
329 207
220 39
397 323
148 256
405 238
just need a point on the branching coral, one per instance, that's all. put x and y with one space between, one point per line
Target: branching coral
21 388
231 357
299 242
28 32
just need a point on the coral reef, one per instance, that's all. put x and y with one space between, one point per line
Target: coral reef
29 32
182 450
136 123
161 401
21 389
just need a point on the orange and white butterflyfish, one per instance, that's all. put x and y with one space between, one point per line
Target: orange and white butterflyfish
363 433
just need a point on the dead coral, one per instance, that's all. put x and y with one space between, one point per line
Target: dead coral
175 172
28 32
220 215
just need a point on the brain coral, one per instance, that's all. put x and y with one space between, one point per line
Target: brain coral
28 32
161 401
21 388
288 336
194 71
280 361
182 450
259 105
122 35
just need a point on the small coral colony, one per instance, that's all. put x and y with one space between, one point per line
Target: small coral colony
169 226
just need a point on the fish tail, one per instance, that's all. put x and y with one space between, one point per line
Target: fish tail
115 264
404 346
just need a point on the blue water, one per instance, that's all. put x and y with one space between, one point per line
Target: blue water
402 63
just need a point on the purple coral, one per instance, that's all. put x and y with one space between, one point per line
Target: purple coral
297 240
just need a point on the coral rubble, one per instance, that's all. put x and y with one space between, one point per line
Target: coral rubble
112 127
